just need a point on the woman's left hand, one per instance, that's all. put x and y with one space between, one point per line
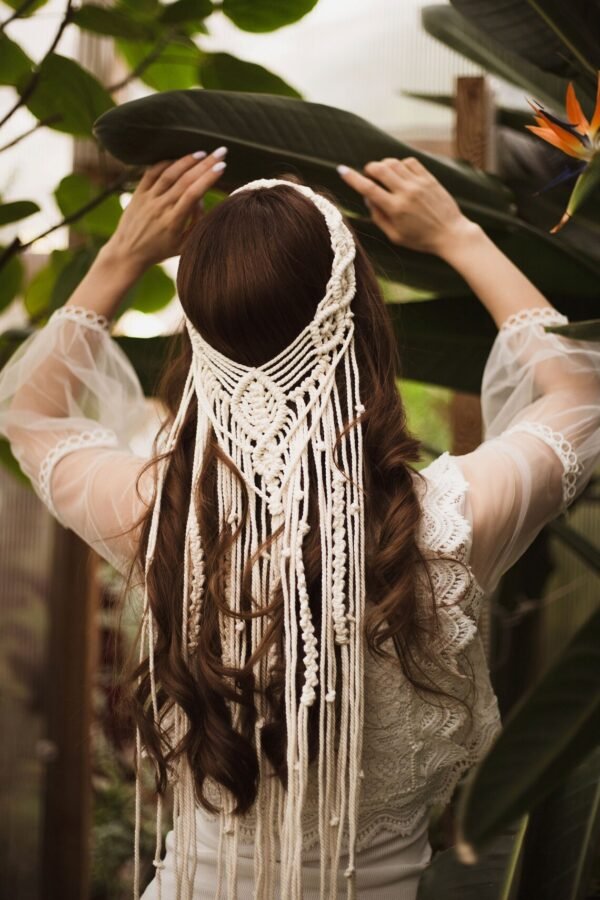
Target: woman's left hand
164 205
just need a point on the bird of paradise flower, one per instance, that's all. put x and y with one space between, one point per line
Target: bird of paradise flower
577 137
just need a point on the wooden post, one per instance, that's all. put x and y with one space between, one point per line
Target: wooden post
473 142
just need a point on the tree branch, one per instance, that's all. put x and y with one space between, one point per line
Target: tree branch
16 246
33 81
16 14
42 122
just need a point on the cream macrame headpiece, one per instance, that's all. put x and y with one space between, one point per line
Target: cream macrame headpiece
270 421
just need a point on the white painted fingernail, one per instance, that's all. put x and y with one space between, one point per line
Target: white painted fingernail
218 167
343 169
199 154
220 152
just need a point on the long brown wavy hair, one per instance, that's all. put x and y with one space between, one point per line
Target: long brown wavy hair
250 276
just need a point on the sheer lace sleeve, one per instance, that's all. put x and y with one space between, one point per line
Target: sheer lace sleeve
71 405
541 411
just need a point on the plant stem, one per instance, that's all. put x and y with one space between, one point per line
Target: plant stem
17 13
143 63
42 122
17 247
33 81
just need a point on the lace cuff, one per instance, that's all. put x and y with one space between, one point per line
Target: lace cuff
97 437
536 315
83 316
563 449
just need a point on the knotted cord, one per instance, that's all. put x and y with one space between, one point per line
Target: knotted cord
272 421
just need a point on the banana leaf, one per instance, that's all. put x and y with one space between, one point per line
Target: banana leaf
508 116
464 36
577 543
584 331
547 735
271 135
494 877
268 134
562 38
562 837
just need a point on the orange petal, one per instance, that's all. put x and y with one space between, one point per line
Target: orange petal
553 139
595 123
575 112
565 136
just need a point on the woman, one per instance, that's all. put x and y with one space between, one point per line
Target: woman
368 582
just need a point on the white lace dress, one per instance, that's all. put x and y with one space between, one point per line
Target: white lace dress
72 405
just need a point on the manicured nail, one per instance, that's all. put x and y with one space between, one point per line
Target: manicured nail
342 170
218 167
199 154
220 152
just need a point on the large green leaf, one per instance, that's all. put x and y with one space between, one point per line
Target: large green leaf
562 838
186 11
67 90
558 37
494 877
15 4
11 281
266 15
14 62
112 22
151 292
588 552
462 35
267 133
221 71
74 192
17 210
588 330
548 733
270 135
46 290
175 67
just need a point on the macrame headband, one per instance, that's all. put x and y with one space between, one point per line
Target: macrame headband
271 421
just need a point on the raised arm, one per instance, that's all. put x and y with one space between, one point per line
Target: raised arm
540 391
71 402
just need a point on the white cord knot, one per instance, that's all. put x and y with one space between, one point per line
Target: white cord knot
349 872
240 625
335 820
359 408
330 696
286 552
158 864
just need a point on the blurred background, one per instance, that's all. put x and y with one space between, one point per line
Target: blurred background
429 79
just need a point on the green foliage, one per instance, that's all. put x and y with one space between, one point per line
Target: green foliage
11 281
151 292
186 11
174 67
14 62
266 15
225 72
52 285
17 210
112 22
550 731
68 91
76 191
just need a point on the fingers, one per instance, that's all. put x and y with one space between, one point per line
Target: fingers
368 188
394 174
192 186
185 167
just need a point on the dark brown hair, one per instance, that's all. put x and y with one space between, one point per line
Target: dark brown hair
250 276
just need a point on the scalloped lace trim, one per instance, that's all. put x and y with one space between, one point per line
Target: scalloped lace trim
81 315
96 437
563 449
414 752
537 315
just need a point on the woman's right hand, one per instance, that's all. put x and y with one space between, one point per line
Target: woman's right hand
410 205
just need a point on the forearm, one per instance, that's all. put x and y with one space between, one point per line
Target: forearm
49 385
500 285
104 286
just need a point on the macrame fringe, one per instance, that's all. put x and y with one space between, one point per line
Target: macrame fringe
272 421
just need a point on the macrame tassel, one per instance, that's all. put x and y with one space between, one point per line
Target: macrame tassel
273 422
